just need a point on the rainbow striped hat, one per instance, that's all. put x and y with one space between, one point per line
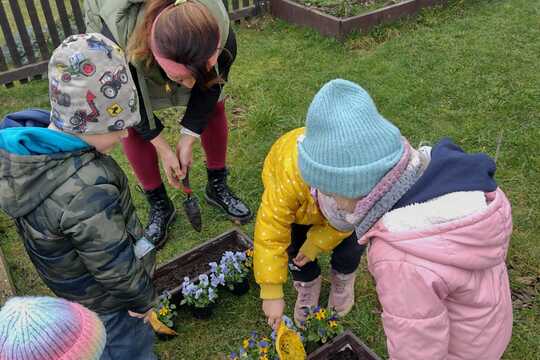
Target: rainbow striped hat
45 328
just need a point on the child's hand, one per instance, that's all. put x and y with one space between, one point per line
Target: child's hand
273 309
145 317
300 260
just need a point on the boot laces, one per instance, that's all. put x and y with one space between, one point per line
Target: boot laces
224 192
157 211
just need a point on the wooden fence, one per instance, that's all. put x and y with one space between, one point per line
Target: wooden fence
33 28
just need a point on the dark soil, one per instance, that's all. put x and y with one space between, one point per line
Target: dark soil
346 8
195 262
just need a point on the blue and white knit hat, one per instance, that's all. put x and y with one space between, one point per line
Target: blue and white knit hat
45 328
348 146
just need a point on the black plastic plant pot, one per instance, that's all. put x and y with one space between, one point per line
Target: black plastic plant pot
201 313
191 264
344 347
240 288
163 337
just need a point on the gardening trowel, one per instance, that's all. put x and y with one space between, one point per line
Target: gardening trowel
191 205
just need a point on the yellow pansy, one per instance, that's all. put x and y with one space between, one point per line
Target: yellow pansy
332 323
164 311
321 314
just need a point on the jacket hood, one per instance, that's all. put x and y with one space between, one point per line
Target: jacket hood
451 170
26 181
35 161
476 242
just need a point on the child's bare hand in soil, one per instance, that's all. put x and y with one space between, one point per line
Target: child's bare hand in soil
273 309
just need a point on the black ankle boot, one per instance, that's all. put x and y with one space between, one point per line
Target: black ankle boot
162 214
221 196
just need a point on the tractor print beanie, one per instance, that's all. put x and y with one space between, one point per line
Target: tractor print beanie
90 86
46 328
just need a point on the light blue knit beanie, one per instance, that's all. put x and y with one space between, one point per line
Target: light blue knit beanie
348 146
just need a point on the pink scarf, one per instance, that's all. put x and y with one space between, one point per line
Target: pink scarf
344 221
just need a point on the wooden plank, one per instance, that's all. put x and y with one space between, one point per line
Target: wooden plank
64 18
51 25
8 36
243 13
387 14
36 25
23 33
235 4
301 15
24 72
79 17
245 3
7 289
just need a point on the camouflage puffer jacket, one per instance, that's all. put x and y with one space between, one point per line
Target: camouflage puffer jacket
75 215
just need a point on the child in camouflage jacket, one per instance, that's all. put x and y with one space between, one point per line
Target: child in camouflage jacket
71 202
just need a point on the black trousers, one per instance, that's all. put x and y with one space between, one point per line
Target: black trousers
345 257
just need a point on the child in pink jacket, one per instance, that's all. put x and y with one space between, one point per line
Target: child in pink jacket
437 225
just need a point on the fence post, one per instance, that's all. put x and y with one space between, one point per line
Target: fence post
51 26
23 34
40 38
77 13
8 36
3 66
64 18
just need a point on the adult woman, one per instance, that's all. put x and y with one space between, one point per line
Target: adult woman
180 53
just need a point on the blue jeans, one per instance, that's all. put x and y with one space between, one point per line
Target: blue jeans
128 338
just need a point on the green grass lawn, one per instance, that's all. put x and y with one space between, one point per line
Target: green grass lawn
468 71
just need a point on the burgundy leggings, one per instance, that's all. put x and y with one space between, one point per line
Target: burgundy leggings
144 160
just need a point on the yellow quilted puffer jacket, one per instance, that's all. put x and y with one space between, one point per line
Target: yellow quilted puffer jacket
286 200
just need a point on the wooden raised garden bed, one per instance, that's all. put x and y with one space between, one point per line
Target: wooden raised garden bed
329 25
169 276
344 347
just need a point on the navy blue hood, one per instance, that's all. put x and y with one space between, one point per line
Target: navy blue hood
27 118
451 170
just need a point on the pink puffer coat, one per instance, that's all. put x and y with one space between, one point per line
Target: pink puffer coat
445 291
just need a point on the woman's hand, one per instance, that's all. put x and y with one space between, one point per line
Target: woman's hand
170 162
273 309
184 152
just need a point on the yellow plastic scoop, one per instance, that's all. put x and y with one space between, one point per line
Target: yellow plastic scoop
289 345
160 327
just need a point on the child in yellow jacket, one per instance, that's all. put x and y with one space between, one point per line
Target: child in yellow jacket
293 226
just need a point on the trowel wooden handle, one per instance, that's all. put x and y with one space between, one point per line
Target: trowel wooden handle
185 184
